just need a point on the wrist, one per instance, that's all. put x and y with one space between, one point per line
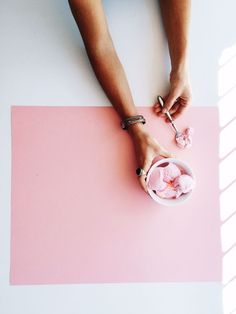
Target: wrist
136 130
180 73
180 67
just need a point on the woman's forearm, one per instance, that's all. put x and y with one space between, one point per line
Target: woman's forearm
109 71
176 15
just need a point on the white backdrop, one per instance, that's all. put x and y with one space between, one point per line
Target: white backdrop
43 62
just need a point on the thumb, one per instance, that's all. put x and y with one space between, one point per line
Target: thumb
165 153
170 100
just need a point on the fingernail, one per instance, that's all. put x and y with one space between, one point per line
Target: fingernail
164 110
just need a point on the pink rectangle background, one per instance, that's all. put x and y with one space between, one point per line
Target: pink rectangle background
78 214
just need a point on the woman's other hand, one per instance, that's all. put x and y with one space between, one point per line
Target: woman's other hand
178 98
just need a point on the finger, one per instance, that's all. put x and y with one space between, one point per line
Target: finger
142 181
159 112
157 109
170 101
179 112
174 108
163 152
172 111
156 105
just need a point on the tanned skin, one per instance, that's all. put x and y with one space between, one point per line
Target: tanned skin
91 20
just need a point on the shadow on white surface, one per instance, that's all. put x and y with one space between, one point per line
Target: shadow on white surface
227 152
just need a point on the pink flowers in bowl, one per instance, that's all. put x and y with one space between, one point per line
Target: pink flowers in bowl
170 181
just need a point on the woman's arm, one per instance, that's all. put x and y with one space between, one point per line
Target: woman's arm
175 16
91 21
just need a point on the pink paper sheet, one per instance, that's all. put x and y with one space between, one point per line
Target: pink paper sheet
78 214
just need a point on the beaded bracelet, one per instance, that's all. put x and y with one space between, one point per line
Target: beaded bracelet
132 120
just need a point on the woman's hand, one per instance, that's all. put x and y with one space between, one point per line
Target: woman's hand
178 98
146 149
